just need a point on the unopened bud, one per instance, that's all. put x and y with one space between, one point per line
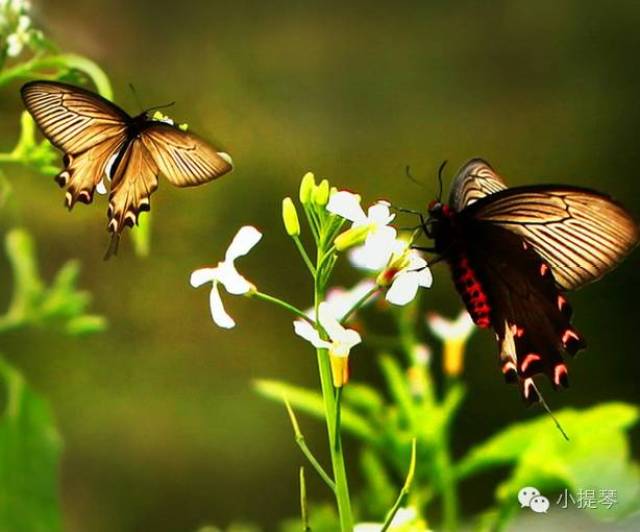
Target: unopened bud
290 217
351 237
307 185
321 193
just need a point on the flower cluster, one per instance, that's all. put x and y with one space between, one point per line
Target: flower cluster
16 30
372 244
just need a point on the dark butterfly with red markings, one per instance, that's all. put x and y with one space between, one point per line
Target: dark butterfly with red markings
98 138
514 252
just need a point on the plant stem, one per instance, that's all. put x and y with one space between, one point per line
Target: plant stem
405 489
448 482
328 395
288 306
360 303
305 257
305 449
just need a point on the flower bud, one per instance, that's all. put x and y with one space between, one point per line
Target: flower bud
290 217
321 193
351 237
339 370
307 185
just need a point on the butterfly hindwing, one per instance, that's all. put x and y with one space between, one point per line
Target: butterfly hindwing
530 316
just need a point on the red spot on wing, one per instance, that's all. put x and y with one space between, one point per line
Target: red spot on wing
572 341
562 302
528 360
529 391
544 269
510 371
560 375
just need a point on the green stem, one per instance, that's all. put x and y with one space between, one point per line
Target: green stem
305 256
359 303
271 299
305 449
405 489
329 397
449 493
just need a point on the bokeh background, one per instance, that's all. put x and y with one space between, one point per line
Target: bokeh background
162 428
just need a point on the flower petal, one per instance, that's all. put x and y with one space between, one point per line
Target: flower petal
416 262
329 322
233 282
425 278
203 275
307 331
219 315
342 301
347 205
445 329
350 338
403 289
379 213
246 238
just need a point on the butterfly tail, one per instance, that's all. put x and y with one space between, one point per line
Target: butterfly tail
113 246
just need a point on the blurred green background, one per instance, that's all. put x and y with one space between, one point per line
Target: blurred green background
162 429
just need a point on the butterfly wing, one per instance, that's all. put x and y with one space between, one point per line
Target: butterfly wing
88 128
474 181
182 157
531 318
580 233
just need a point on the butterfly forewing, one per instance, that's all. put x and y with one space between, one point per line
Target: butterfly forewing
73 119
474 181
182 157
581 234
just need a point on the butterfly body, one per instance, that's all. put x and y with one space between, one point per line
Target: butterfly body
513 254
98 138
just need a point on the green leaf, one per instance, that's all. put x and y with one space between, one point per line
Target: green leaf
596 457
33 303
29 456
141 235
311 402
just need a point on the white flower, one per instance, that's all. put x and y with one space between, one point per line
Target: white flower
341 340
380 242
19 37
458 330
414 274
341 301
226 274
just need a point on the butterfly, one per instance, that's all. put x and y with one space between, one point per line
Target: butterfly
98 138
515 252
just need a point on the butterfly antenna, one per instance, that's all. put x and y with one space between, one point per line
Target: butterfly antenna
135 95
546 407
113 246
440 170
157 107
407 171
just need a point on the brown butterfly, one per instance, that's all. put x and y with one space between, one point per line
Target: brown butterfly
98 138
